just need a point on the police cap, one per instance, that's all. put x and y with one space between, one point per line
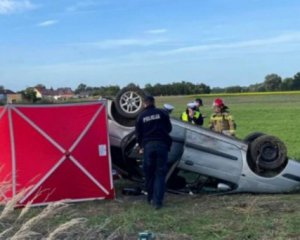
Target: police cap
199 101
149 99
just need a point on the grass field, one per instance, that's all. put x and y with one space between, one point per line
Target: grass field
242 216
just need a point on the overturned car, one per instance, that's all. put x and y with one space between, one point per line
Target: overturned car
200 159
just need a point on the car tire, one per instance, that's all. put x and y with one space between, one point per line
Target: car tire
252 136
124 121
129 101
268 152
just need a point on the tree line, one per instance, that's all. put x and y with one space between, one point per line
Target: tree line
272 82
83 89
178 88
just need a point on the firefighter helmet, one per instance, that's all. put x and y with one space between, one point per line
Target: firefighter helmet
218 102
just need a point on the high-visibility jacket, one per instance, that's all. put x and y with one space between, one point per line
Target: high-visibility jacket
222 123
197 118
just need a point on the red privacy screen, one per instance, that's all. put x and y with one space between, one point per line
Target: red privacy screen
55 152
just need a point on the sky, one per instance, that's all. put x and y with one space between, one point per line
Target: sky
221 43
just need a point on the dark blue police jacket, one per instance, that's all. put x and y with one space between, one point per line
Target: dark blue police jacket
153 124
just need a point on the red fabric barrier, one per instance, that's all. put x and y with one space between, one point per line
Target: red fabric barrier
55 152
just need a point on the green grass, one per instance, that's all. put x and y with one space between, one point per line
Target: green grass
240 216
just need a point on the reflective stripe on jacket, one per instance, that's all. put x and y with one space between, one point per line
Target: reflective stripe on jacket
221 122
197 119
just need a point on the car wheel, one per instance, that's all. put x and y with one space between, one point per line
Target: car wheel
268 152
124 121
129 101
252 136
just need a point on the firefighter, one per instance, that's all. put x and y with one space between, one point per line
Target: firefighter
221 120
191 115
152 131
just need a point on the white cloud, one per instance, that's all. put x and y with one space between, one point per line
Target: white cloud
86 4
156 31
127 42
13 6
47 23
284 38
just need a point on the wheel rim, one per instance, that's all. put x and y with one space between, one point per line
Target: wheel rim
269 152
130 102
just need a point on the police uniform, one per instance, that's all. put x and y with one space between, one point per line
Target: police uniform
197 118
152 131
153 124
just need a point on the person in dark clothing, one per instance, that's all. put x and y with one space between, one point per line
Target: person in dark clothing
199 103
152 131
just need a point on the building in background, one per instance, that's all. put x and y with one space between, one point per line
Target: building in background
4 93
58 94
14 98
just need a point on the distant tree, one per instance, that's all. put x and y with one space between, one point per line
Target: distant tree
202 88
258 87
89 89
287 84
245 89
132 85
2 88
296 82
81 88
157 89
96 91
30 95
112 90
297 75
272 82
217 90
261 88
42 86
233 89
148 88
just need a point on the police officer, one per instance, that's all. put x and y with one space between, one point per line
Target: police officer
152 131
191 115
221 120
199 103
168 108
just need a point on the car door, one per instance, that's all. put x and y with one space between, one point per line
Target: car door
209 153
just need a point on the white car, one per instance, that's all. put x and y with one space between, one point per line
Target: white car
200 159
